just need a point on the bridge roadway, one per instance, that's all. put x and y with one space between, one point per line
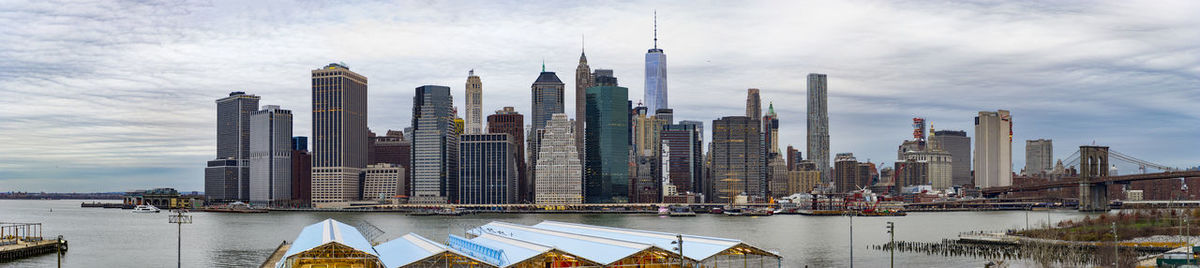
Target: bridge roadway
1074 181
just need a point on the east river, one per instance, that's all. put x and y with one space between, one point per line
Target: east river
119 238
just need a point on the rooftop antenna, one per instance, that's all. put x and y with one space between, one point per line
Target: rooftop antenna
543 65
655 29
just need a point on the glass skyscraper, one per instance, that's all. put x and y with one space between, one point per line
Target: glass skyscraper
606 171
435 147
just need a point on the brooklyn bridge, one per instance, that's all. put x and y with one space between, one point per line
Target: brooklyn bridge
1093 178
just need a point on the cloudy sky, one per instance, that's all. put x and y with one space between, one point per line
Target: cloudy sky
114 96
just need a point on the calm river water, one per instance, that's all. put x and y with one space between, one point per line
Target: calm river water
118 238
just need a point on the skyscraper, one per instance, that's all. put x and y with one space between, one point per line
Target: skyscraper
510 122
339 133
685 158
560 174
607 137
1039 156
547 92
753 103
993 149
435 147
583 80
771 131
958 145
227 178
656 75
271 156
646 156
737 158
818 124
547 99
487 169
474 104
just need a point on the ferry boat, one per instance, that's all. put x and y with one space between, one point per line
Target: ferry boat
235 207
145 209
681 211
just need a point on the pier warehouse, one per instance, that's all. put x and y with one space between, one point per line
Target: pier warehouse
502 244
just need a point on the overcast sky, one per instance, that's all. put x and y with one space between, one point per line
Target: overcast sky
116 96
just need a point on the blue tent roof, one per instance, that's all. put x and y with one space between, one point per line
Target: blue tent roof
694 247
328 231
596 248
411 248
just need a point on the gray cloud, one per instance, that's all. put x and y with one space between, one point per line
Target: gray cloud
119 95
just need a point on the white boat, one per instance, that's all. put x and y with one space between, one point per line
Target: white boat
145 209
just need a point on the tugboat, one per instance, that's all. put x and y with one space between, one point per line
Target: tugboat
145 209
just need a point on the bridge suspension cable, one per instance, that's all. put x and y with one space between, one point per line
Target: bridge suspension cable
1072 160
1141 163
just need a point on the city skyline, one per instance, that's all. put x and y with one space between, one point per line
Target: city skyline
137 112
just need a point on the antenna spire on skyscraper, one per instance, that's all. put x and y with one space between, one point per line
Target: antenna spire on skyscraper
656 29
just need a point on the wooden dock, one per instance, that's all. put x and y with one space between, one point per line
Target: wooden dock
276 256
12 249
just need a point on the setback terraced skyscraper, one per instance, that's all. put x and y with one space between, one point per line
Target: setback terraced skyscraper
560 174
339 133
474 104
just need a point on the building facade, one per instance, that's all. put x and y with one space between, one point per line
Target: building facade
339 133
753 103
993 149
301 173
474 103
958 144
509 121
392 148
737 159
271 156
224 180
607 137
1039 156
382 181
685 164
818 124
487 169
435 146
547 100
847 177
560 174
583 80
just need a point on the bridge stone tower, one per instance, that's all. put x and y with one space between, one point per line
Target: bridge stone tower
1093 166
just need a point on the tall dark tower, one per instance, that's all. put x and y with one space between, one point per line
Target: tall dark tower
583 80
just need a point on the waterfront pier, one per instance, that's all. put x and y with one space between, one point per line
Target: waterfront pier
21 240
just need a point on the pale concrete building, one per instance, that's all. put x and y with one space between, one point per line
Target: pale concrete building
559 174
270 156
474 103
382 181
1039 156
993 149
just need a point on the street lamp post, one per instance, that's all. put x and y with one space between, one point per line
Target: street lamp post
851 214
679 247
179 219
